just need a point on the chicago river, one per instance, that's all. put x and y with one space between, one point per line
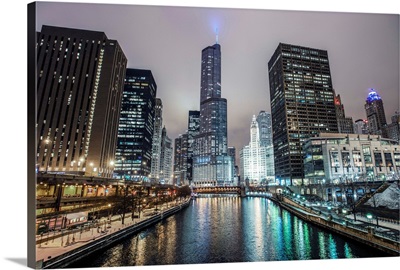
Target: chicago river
225 228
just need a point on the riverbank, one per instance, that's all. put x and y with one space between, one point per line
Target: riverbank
59 252
359 231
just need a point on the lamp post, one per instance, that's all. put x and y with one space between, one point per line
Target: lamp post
369 217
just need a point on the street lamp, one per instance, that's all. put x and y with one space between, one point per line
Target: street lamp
369 217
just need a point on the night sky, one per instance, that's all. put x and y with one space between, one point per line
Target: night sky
363 52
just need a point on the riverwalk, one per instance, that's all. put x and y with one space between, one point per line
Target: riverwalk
56 247
383 236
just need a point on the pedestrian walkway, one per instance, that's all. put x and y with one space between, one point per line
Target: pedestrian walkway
387 228
55 244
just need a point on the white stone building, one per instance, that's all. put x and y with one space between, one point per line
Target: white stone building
336 158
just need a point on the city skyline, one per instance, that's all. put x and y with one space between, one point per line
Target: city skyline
171 50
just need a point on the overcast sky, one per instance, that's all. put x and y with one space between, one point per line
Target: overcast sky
363 52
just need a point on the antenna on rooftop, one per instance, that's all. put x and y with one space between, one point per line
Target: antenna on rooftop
216 35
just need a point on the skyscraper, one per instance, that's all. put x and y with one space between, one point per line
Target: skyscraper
166 158
345 124
180 160
136 126
375 114
193 131
211 164
265 128
256 158
302 105
156 150
80 79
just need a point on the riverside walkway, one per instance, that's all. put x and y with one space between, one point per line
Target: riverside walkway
52 245
384 235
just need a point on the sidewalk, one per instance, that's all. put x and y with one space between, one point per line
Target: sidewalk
383 226
72 239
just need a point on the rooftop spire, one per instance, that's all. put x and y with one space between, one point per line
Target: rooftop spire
216 35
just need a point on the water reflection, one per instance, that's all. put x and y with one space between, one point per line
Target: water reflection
228 229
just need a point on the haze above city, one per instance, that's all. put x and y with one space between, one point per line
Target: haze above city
363 53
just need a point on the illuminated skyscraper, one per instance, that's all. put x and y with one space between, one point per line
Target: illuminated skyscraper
211 163
302 105
156 150
80 80
165 158
375 114
136 126
256 158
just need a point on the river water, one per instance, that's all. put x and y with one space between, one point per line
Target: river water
219 229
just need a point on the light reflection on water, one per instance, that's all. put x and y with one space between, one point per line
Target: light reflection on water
228 229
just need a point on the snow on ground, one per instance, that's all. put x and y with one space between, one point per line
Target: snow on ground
390 198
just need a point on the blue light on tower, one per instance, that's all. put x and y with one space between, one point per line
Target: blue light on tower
372 96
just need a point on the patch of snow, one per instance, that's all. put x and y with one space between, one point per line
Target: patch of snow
389 198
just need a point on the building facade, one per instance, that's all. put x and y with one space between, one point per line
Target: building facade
265 128
211 164
136 126
256 159
156 150
80 80
393 129
375 114
166 172
180 160
302 105
192 132
345 124
361 126
343 158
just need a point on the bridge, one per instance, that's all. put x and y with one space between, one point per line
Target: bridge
219 190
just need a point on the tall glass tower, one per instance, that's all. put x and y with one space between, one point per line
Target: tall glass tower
136 126
211 164
302 105
265 128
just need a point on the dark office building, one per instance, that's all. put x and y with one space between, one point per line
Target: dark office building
193 130
80 78
375 114
210 160
302 105
180 160
136 126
